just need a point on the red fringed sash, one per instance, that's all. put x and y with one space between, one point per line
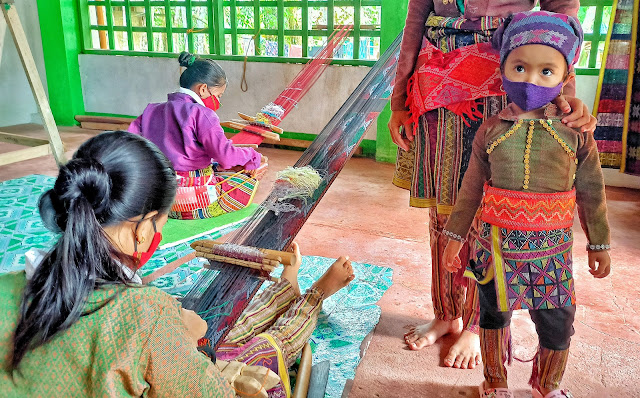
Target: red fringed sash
454 80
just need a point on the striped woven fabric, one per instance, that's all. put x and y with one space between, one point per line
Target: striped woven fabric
205 193
528 211
611 102
632 137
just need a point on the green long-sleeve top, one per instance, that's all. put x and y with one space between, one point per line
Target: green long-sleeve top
134 346
552 168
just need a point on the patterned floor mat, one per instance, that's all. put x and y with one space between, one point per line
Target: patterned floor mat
346 318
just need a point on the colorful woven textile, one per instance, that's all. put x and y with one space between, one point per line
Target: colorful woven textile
453 80
531 269
528 211
205 193
433 169
612 87
632 138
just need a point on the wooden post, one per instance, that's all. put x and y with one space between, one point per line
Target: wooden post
20 39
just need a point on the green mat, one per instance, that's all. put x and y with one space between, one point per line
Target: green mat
180 231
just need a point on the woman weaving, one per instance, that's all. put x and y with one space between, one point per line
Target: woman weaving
77 323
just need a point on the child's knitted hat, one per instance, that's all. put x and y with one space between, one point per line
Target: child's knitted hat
558 31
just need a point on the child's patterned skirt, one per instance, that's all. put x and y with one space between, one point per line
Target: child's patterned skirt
524 244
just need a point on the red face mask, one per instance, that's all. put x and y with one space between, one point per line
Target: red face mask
212 102
145 256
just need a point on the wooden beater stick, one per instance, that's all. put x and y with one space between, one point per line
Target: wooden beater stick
285 258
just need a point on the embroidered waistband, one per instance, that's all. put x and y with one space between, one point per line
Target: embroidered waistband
527 211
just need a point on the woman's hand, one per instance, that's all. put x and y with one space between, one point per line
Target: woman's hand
578 116
604 263
400 119
450 256
263 161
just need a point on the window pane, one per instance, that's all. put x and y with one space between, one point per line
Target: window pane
246 45
140 41
138 17
159 19
269 46
160 42
228 44
269 18
179 17
370 17
293 46
317 17
180 42
201 43
316 43
343 16
370 48
118 15
293 18
600 54
587 16
199 17
244 17
97 16
583 62
606 18
346 50
121 41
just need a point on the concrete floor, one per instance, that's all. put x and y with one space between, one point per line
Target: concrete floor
364 216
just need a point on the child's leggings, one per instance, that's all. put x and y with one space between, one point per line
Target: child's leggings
554 328
279 312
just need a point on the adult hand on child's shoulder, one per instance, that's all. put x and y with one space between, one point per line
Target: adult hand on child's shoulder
578 115
604 263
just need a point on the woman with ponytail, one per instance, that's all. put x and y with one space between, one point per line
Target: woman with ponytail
187 129
76 323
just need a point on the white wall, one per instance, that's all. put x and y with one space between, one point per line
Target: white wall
17 104
125 85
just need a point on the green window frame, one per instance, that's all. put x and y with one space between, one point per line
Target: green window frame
595 16
260 30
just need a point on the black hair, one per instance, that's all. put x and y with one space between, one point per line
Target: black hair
200 70
113 177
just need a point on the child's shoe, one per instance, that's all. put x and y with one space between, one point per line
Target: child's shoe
559 393
494 392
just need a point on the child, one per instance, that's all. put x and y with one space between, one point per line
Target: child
527 171
77 322
187 130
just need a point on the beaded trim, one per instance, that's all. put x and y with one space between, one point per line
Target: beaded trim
547 125
506 135
453 236
598 247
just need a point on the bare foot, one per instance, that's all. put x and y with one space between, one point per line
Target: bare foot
425 335
290 272
465 353
336 277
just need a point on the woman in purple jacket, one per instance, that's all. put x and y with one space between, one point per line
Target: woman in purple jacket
431 164
187 130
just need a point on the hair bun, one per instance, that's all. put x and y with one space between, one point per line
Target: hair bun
186 59
83 179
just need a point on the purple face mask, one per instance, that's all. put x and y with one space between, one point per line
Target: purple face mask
529 96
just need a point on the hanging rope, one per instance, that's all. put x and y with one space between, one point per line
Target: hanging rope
244 86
